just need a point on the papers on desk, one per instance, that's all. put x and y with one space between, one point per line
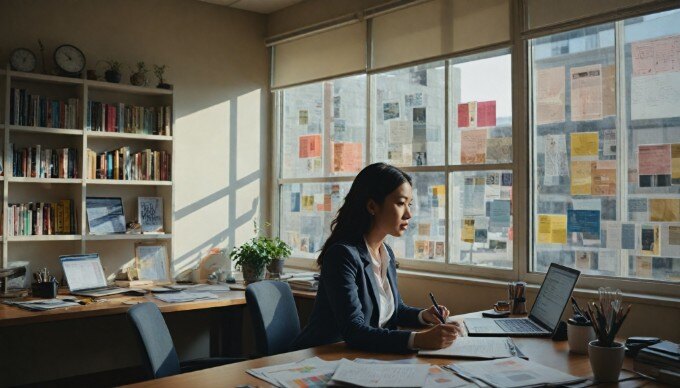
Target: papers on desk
304 284
477 348
210 287
362 372
44 304
185 296
512 372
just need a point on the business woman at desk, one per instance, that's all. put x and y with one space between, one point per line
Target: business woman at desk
358 300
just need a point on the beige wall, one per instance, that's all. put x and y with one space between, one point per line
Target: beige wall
219 67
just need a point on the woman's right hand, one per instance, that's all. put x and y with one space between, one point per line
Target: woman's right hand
436 337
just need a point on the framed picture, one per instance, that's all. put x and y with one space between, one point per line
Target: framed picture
105 215
150 212
152 262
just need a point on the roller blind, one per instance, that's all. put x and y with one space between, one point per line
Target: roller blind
544 13
436 28
338 51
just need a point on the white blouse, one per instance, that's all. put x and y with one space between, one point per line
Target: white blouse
385 297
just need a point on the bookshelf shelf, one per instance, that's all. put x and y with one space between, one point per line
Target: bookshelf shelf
51 237
115 135
101 85
111 237
114 182
53 79
52 131
43 250
45 180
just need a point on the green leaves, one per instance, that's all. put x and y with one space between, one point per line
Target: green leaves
259 251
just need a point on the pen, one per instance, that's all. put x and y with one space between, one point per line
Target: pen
437 309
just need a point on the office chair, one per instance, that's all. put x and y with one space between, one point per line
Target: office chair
275 318
158 351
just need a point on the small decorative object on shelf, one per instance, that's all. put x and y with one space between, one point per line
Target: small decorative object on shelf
92 74
159 71
22 59
113 74
138 78
151 214
70 60
133 227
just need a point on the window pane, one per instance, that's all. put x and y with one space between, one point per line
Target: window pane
306 209
324 128
481 109
652 51
605 199
481 223
424 238
575 162
407 116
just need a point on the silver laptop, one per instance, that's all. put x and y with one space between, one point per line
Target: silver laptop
545 314
85 276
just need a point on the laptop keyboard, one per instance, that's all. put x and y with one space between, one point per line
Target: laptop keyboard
518 326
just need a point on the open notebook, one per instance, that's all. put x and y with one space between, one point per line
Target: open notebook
483 348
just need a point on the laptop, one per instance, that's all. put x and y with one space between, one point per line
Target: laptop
85 276
545 314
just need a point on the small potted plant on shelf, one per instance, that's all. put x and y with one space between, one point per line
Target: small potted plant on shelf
113 74
159 71
138 78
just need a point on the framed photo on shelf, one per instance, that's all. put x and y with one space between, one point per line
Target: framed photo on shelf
152 262
150 213
105 215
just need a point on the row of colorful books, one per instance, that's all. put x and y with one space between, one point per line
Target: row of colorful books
121 164
124 118
40 111
38 162
41 218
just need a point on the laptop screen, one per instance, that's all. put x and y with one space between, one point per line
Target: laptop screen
83 271
554 294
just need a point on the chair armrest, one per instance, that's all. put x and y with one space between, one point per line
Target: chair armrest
204 363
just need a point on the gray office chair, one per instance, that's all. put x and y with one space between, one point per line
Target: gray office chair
275 317
158 351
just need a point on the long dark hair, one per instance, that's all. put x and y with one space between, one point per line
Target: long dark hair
352 221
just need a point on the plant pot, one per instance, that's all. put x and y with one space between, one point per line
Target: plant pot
606 362
112 76
138 79
252 274
275 269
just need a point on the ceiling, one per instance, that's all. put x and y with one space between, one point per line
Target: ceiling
259 6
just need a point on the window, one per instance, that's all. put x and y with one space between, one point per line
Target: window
604 198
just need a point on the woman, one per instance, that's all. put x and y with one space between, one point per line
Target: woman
358 300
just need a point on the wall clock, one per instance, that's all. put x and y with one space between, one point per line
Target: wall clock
22 59
69 59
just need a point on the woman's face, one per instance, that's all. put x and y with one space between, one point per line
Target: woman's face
391 217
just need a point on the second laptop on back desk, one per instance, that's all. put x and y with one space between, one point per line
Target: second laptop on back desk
85 276
545 314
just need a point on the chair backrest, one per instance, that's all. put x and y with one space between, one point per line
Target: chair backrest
274 315
159 355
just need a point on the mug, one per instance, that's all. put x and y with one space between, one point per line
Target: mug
579 335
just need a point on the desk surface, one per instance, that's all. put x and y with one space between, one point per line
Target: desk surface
296 293
544 351
119 304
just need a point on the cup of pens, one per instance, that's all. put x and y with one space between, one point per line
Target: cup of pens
517 297
45 285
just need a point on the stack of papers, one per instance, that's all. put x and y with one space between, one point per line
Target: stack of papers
304 284
209 287
43 304
477 348
512 372
184 296
360 372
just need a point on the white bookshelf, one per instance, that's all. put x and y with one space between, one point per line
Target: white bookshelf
115 250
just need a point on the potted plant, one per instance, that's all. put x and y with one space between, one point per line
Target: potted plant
138 78
278 252
159 72
252 257
113 74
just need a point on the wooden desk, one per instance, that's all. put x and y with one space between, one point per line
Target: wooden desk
296 293
541 350
11 315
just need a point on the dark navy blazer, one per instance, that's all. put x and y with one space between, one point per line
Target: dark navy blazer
346 305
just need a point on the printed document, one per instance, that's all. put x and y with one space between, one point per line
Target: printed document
381 375
474 347
513 372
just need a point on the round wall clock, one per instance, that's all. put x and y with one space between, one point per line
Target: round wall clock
22 59
69 59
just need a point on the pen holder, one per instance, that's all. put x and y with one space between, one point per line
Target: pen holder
47 290
579 334
517 297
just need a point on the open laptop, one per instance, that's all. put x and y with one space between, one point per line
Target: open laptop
545 314
85 276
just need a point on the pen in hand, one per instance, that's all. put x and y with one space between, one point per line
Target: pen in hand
437 309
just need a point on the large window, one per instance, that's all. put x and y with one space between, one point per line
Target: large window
606 146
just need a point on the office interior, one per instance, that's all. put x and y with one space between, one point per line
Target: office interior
231 62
